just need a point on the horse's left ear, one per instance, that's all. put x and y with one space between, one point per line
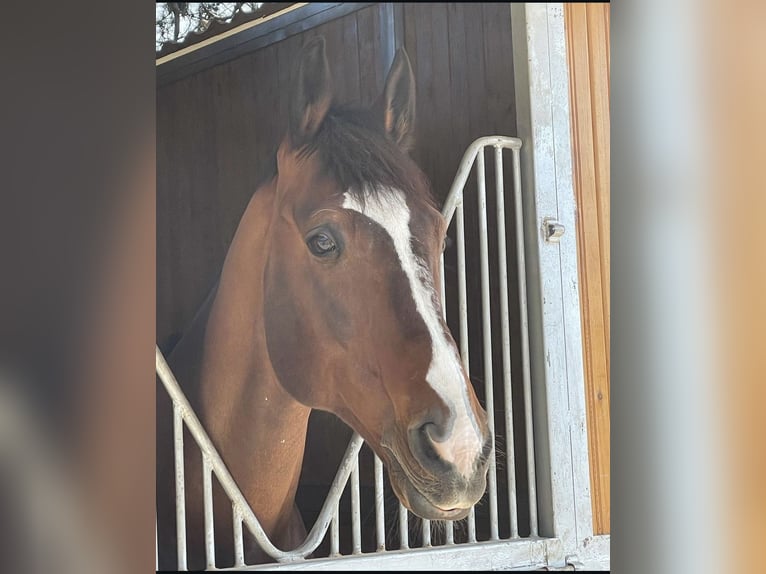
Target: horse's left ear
311 94
397 102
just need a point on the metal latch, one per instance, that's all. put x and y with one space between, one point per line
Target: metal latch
552 230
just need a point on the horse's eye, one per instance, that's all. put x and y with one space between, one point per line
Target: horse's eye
323 244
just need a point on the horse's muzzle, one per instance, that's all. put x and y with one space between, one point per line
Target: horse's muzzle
437 491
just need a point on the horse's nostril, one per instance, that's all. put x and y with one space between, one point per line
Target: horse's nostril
429 436
426 442
435 432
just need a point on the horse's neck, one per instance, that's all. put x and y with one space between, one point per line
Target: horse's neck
259 429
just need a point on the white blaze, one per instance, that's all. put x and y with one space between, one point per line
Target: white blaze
444 374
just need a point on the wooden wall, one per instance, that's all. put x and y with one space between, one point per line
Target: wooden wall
587 28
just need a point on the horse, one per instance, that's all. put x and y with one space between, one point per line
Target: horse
327 300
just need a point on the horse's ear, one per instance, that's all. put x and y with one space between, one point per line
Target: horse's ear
311 94
397 102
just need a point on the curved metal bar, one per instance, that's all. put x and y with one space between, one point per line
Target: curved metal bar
241 506
455 194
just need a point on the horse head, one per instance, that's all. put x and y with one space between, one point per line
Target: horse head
352 313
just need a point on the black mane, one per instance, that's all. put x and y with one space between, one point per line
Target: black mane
355 151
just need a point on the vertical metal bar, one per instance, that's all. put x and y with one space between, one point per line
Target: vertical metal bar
449 525
335 534
404 528
506 340
207 491
239 548
525 343
487 336
356 528
444 316
472 525
463 316
178 445
426 533
450 532
462 295
380 516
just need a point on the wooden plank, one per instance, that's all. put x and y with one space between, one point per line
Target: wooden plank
287 52
440 104
164 255
409 26
343 54
598 51
458 66
410 29
474 33
588 41
424 153
233 92
368 63
501 105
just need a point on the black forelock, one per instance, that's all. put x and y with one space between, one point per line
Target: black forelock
354 150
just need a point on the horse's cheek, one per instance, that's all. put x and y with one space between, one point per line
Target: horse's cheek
287 331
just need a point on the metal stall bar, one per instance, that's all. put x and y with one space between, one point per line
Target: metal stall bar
449 525
426 522
178 453
506 342
487 336
525 340
184 413
463 313
335 534
453 204
426 533
380 515
239 549
207 490
356 527
404 528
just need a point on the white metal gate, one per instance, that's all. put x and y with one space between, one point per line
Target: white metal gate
513 550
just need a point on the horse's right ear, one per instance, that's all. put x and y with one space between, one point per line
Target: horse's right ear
396 105
311 94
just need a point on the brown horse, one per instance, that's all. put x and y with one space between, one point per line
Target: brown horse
327 300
